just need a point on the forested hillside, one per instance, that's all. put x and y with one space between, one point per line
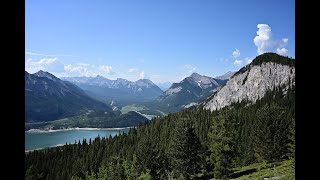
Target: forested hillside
191 144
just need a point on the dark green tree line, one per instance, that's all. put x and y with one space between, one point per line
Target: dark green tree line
193 143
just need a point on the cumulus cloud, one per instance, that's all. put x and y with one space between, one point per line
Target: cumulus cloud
84 69
285 40
282 51
236 53
142 75
266 43
238 62
77 70
46 64
190 68
105 68
37 61
245 61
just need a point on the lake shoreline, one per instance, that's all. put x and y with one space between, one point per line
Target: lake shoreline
39 139
37 149
76 128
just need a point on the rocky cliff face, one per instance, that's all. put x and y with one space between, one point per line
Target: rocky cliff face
252 84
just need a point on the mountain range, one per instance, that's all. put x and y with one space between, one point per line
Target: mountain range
119 92
190 91
243 129
48 98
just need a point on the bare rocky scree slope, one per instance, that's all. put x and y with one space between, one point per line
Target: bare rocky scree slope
252 84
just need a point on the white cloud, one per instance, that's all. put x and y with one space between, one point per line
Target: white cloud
35 62
84 69
262 40
190 68
84 64
285 40
245 61
133 70
265 42
105 68
238 62
236 53
46 64
142 75
76 70
46 61
282 51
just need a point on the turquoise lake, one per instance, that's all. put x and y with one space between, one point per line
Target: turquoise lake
43 139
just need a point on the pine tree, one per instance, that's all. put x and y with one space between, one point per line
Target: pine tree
185 151
271 133
221 146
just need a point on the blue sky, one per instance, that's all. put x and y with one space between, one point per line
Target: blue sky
162 40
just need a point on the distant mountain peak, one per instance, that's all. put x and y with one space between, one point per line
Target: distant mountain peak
119 90
195 75
227 75
46 74
191 89
121 79
40 72
200 80
98 76
145 81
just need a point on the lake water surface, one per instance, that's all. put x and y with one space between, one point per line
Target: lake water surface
38 139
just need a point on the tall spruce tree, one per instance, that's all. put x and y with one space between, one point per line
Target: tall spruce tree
221 145
185 151
271 133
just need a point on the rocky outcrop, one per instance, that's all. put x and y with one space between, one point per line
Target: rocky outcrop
252 84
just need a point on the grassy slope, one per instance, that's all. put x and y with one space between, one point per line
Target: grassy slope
132 107
282 170
142 109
